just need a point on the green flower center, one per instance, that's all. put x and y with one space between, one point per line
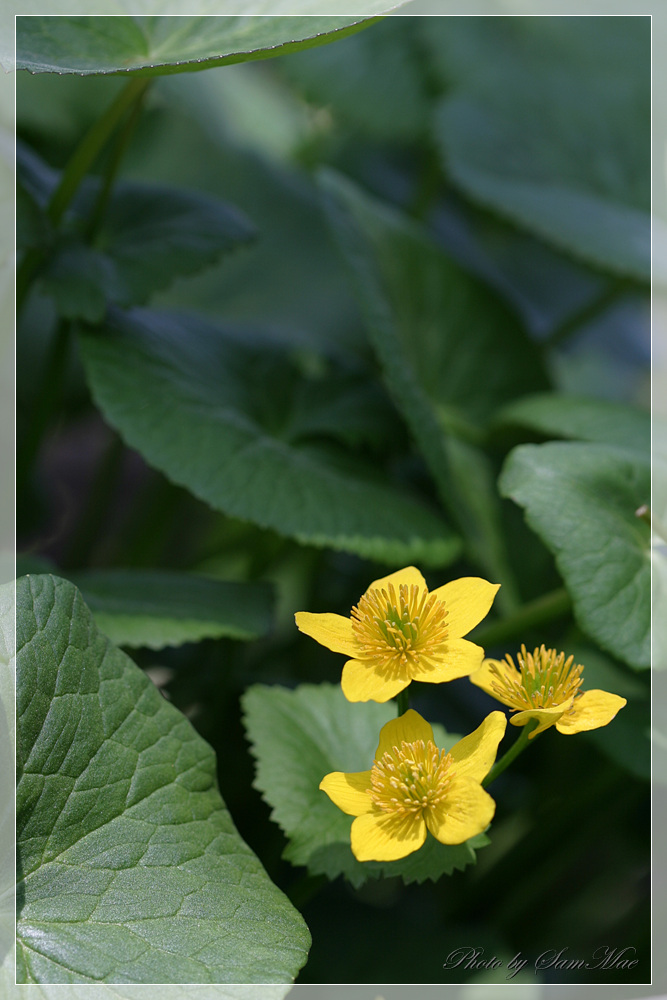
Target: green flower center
396 630
410 778
543 679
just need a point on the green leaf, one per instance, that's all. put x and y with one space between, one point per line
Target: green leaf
550 126
372 81
450 350
212 409
158 608
154 234
299 736
578 417
149 236
131 868
150 45
581 500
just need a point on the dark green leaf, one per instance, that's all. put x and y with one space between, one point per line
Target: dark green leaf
149 236
158 608
551 128
581 500
558 415
150 45
299 736
212 409
155 234
131 868
450 350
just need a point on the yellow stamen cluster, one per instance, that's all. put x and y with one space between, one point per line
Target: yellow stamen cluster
395 630
410 778
543 679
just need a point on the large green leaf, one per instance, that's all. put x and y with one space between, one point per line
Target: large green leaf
582 499
159 608
579 417
450 350
214 410
97 44
130 867
299 736
547 121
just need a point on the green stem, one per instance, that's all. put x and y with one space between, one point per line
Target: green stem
115 159
79 164
547 608
91 145
402 702
517 747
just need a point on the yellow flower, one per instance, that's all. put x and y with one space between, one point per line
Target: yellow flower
413 786
545 686
399 632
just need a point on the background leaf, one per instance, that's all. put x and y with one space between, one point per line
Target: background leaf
585 419
531 125
131 868
159 608
299 736
212 412
450 350
581 500
165 44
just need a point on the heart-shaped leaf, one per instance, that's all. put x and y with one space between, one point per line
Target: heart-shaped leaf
299 736
131 869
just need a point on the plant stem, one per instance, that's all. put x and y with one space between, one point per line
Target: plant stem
91 145
114 162
543 609
517 747
402 702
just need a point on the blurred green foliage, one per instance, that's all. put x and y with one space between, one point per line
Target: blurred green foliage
310 319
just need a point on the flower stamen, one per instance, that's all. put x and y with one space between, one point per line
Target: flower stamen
543 679
410 778
400 629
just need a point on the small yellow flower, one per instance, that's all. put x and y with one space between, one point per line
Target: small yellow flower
413 787
545 686
399 632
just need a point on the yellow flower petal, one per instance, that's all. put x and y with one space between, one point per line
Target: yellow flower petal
468 600
348 791
590 711
378 836
466 811
362 682
409 727
474 755
545 716
484 677
459 658
410 575
332 631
